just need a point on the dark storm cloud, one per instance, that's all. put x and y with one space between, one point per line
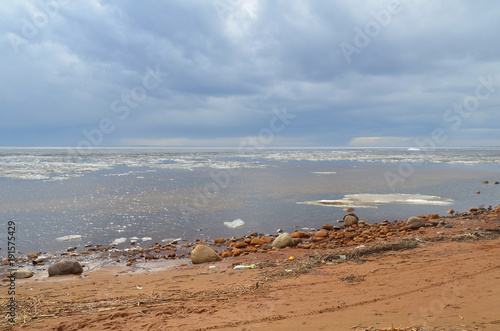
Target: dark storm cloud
351 71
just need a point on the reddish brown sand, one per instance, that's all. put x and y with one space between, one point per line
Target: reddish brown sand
440 285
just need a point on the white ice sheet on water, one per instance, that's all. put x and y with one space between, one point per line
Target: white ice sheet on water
235 224
369 200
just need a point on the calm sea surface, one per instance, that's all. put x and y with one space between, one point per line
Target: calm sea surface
143 193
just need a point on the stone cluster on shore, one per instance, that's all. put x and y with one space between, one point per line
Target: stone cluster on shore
352 232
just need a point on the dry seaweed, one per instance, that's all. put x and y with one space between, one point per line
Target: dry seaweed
29 309
318 258
352 278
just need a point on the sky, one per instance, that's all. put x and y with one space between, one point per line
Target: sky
96 73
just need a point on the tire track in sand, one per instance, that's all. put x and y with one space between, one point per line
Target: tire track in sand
337 308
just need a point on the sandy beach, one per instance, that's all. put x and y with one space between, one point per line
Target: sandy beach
436 278
249 165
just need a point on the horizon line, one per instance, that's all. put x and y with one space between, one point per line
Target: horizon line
239 147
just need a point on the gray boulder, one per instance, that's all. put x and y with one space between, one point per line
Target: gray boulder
204 254
415 222
65 268
283 240
22 273
350 219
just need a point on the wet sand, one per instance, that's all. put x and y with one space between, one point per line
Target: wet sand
449 281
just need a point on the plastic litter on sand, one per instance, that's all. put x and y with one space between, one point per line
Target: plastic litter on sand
252 266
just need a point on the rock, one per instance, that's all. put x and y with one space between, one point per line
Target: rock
266 247
473 210
39 260
304 245
266 240
22 273
250 249
349 209
300 234
478 192
434 222
350 220
257 241
415 222
451 211
65 268
283 240
322 233
220 240
241 245
433 216
327 227
225 254
236 251
448 226
33 256
203 254
254 234
496 183
484 182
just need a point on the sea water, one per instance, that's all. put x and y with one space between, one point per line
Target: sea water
119 195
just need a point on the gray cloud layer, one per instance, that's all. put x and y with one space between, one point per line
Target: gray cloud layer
355 73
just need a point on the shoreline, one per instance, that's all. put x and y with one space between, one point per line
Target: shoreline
176 251
156 284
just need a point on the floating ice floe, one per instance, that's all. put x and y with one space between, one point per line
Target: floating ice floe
324 172
55 164
146 238
70 237
371 200
235 224
119 241
335 203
